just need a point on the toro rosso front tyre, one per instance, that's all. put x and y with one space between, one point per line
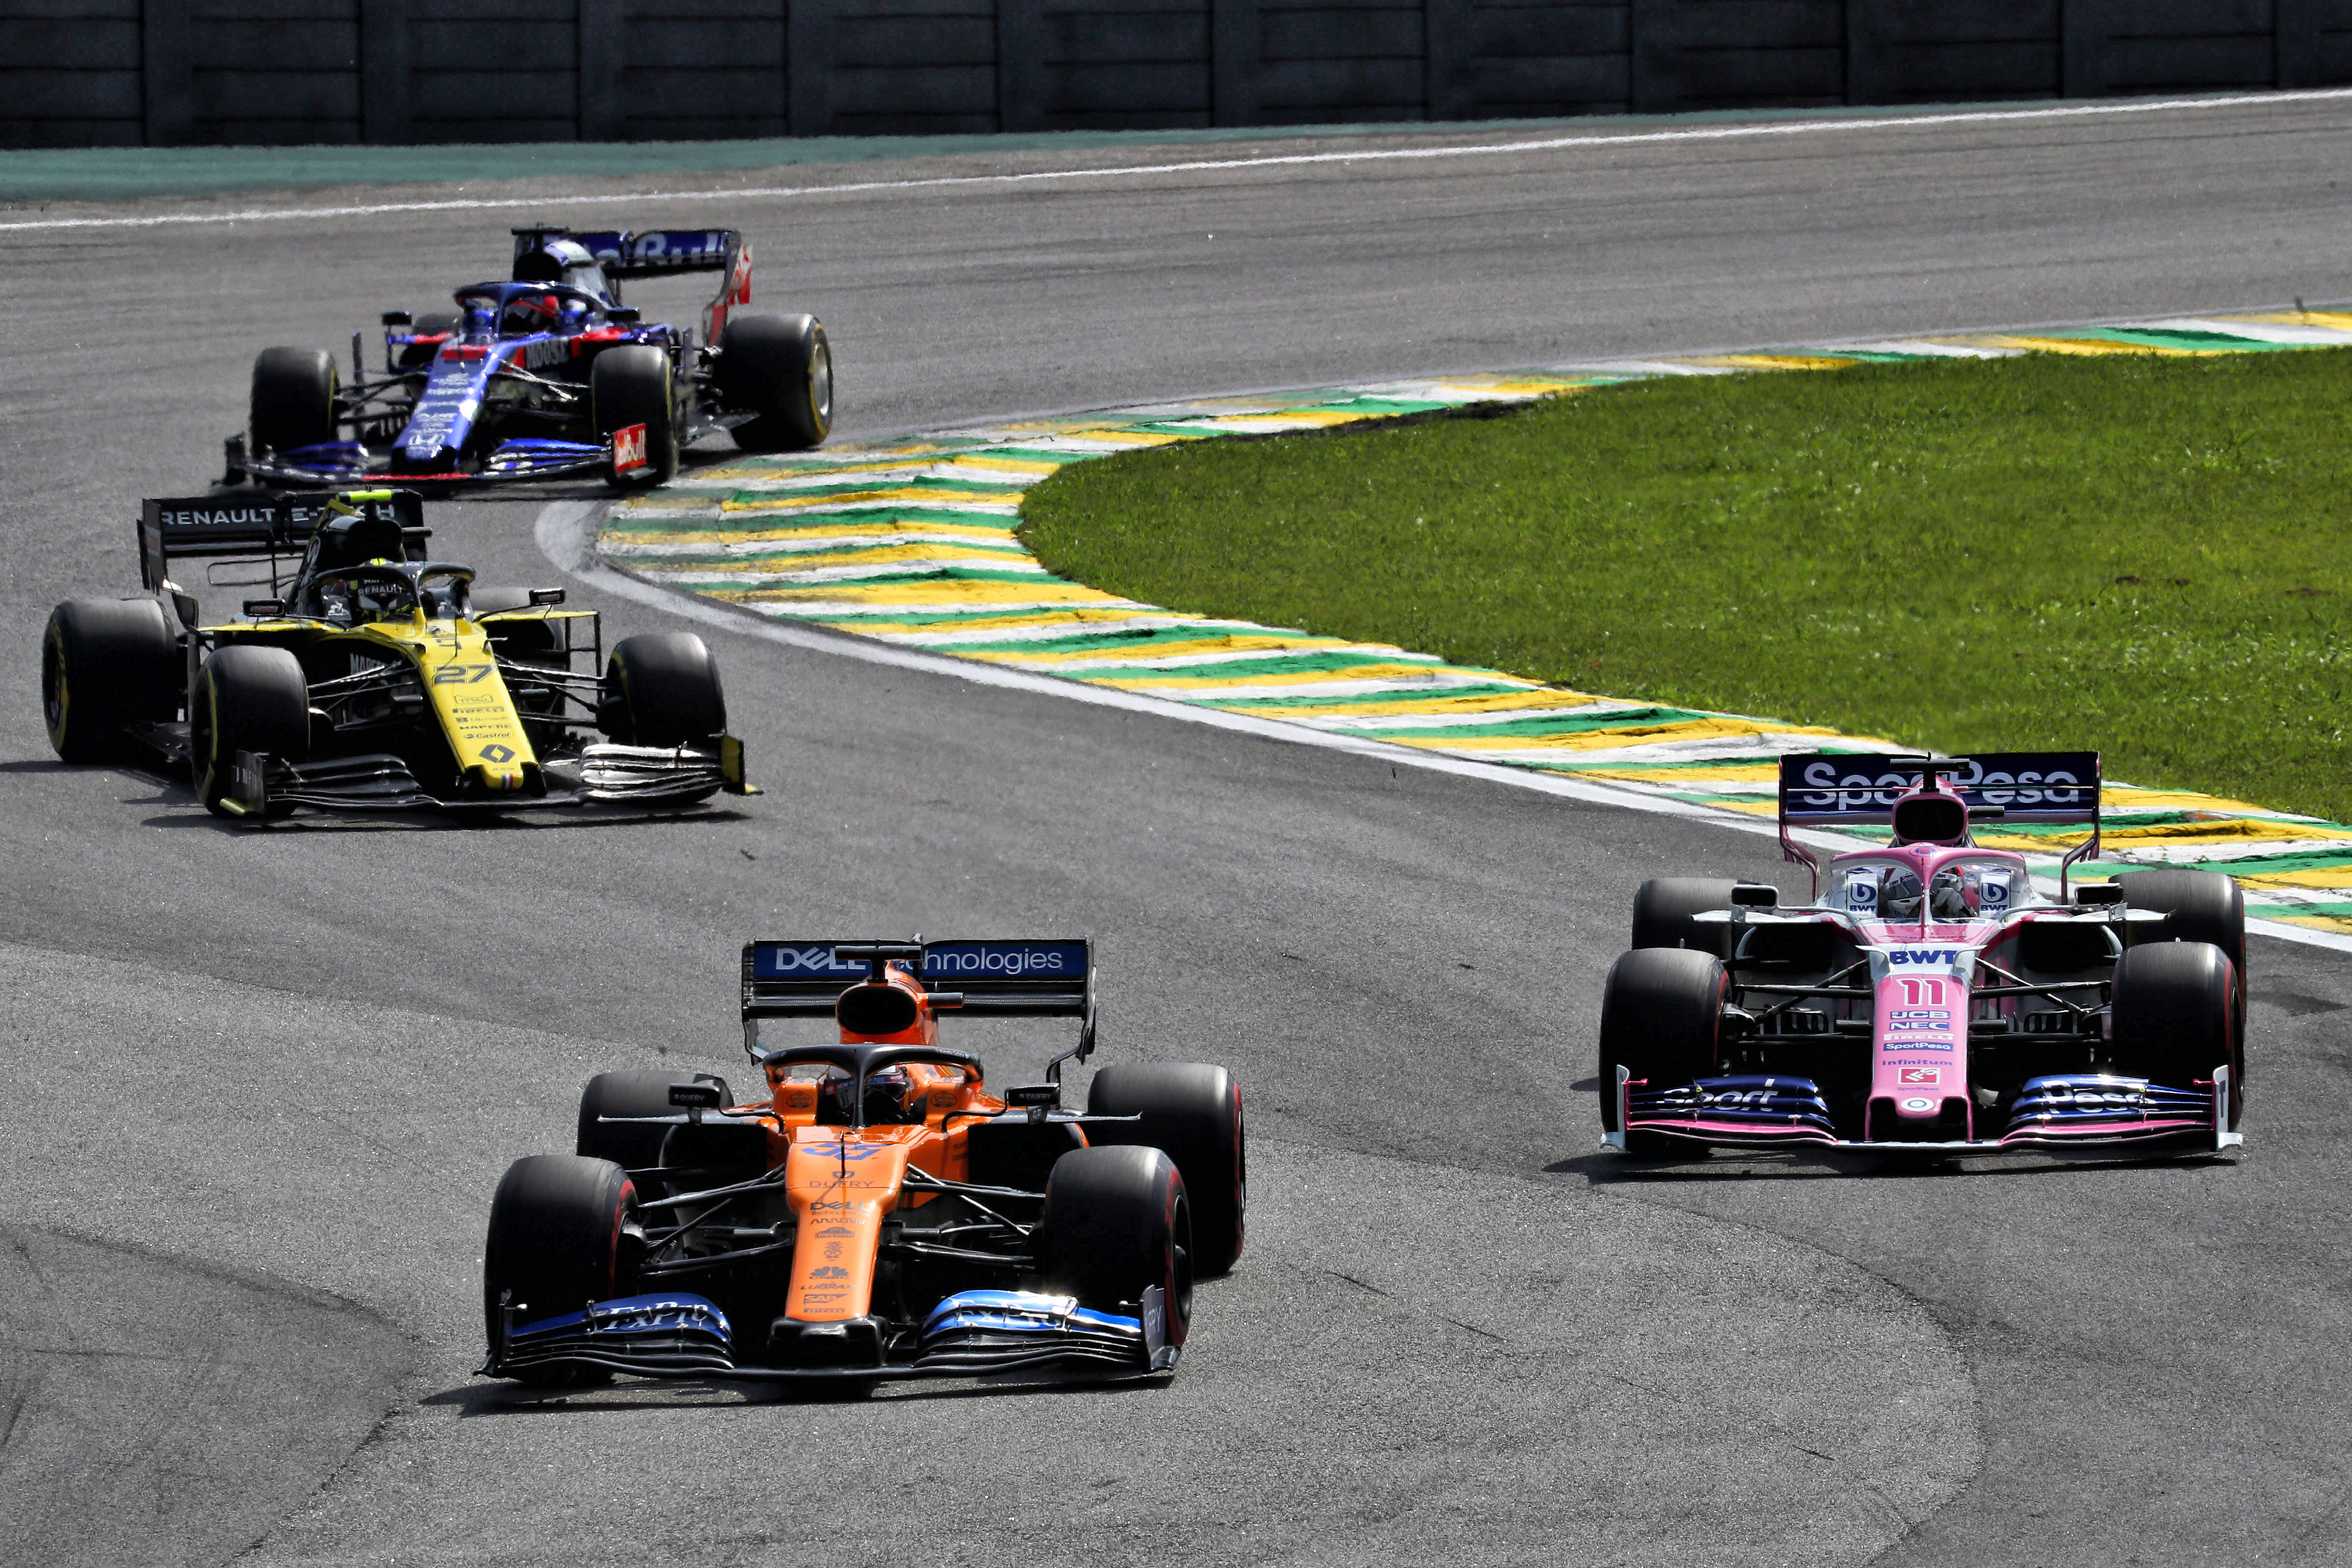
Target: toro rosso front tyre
630 390
1192 1112
555 1244
294 396
779 368
107 665
246 700
661 689
1116 1222
1661 1021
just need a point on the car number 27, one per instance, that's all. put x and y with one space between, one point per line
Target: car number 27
461 674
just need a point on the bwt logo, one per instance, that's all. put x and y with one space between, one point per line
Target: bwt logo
1922 955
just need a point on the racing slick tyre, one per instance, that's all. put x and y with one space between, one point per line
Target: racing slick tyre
632 1094
629 385
1662 911
294 396
246 700
1116 1222
780 369
415 356
2197 906
554 1246
661 689
107 665
1192 1112
2175 1014
1661 1021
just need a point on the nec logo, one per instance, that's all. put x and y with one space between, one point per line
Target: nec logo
1923 956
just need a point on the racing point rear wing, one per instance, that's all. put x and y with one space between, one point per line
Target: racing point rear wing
1827 788
1004 978
661 253
257 527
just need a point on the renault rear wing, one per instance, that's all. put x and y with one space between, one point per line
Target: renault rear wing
1834 788
210 527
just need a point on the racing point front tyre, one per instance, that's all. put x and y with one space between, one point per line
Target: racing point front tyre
632 1094
661 689
106 666
1116 1222
554 1246
294 396
779 368
1192 1112
632 385
1664 907
246 700
2175 1015
1662 1020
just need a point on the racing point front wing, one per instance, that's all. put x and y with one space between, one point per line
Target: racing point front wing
969 1334
607 774
2068 1111
336 464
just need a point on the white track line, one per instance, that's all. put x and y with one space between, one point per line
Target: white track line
566 534
1271 161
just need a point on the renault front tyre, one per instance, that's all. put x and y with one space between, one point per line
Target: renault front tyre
661 689
633 397
780 370
107 666
295 394
1116 1224
1192 1112
556 1244
246 700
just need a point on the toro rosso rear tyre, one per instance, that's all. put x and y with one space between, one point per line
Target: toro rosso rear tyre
106 666
294 396
2175 1013
246 700
1116 1222
433 323
779 368
1192 1112
1661 1021
631 385
1662 911
555 1244
661 689
632 1094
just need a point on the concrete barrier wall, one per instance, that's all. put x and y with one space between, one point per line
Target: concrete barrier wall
173 72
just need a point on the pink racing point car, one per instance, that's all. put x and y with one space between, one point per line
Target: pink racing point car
1930 1000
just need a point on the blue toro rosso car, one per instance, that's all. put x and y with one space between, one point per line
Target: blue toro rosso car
547 374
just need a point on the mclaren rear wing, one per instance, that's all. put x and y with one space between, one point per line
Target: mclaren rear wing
255 528
661 253
1836 788
996 977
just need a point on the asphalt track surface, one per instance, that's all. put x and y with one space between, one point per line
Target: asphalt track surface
260 1085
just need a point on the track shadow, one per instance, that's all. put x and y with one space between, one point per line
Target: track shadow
1603 1168
482 1399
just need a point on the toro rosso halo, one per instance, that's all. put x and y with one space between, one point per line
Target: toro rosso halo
876 1212
546 375
1931 1001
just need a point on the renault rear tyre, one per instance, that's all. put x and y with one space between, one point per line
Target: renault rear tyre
107 665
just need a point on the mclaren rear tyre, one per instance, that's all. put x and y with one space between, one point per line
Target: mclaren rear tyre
2175 1015
661 689
555 1244
1661 1021
246 700
632 1094
778 369
1117 1223
107 665
1192 1112
294 399
1664 907
629 388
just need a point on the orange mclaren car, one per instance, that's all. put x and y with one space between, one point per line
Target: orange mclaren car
878 1212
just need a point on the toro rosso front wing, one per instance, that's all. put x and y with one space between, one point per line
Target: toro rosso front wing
2068 1111
968 1334
341 463
606 774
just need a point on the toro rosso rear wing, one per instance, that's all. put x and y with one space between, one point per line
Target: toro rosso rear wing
1825 788
272 529
1004 978
661 253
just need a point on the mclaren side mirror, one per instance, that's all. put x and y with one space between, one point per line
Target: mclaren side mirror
694 1096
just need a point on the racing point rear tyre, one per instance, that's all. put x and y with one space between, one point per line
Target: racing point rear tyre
1116 1222
1662 911
632 385
2175 1014
555 1243
2197 906
1192 1112
632 1094
246 700
1662 1020
780 369
661 689
107 665
294 397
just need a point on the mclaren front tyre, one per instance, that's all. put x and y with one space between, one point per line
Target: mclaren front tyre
1117 1223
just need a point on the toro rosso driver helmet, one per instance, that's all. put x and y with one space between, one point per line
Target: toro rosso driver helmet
563 261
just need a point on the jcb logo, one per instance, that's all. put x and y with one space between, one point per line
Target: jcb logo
462 674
